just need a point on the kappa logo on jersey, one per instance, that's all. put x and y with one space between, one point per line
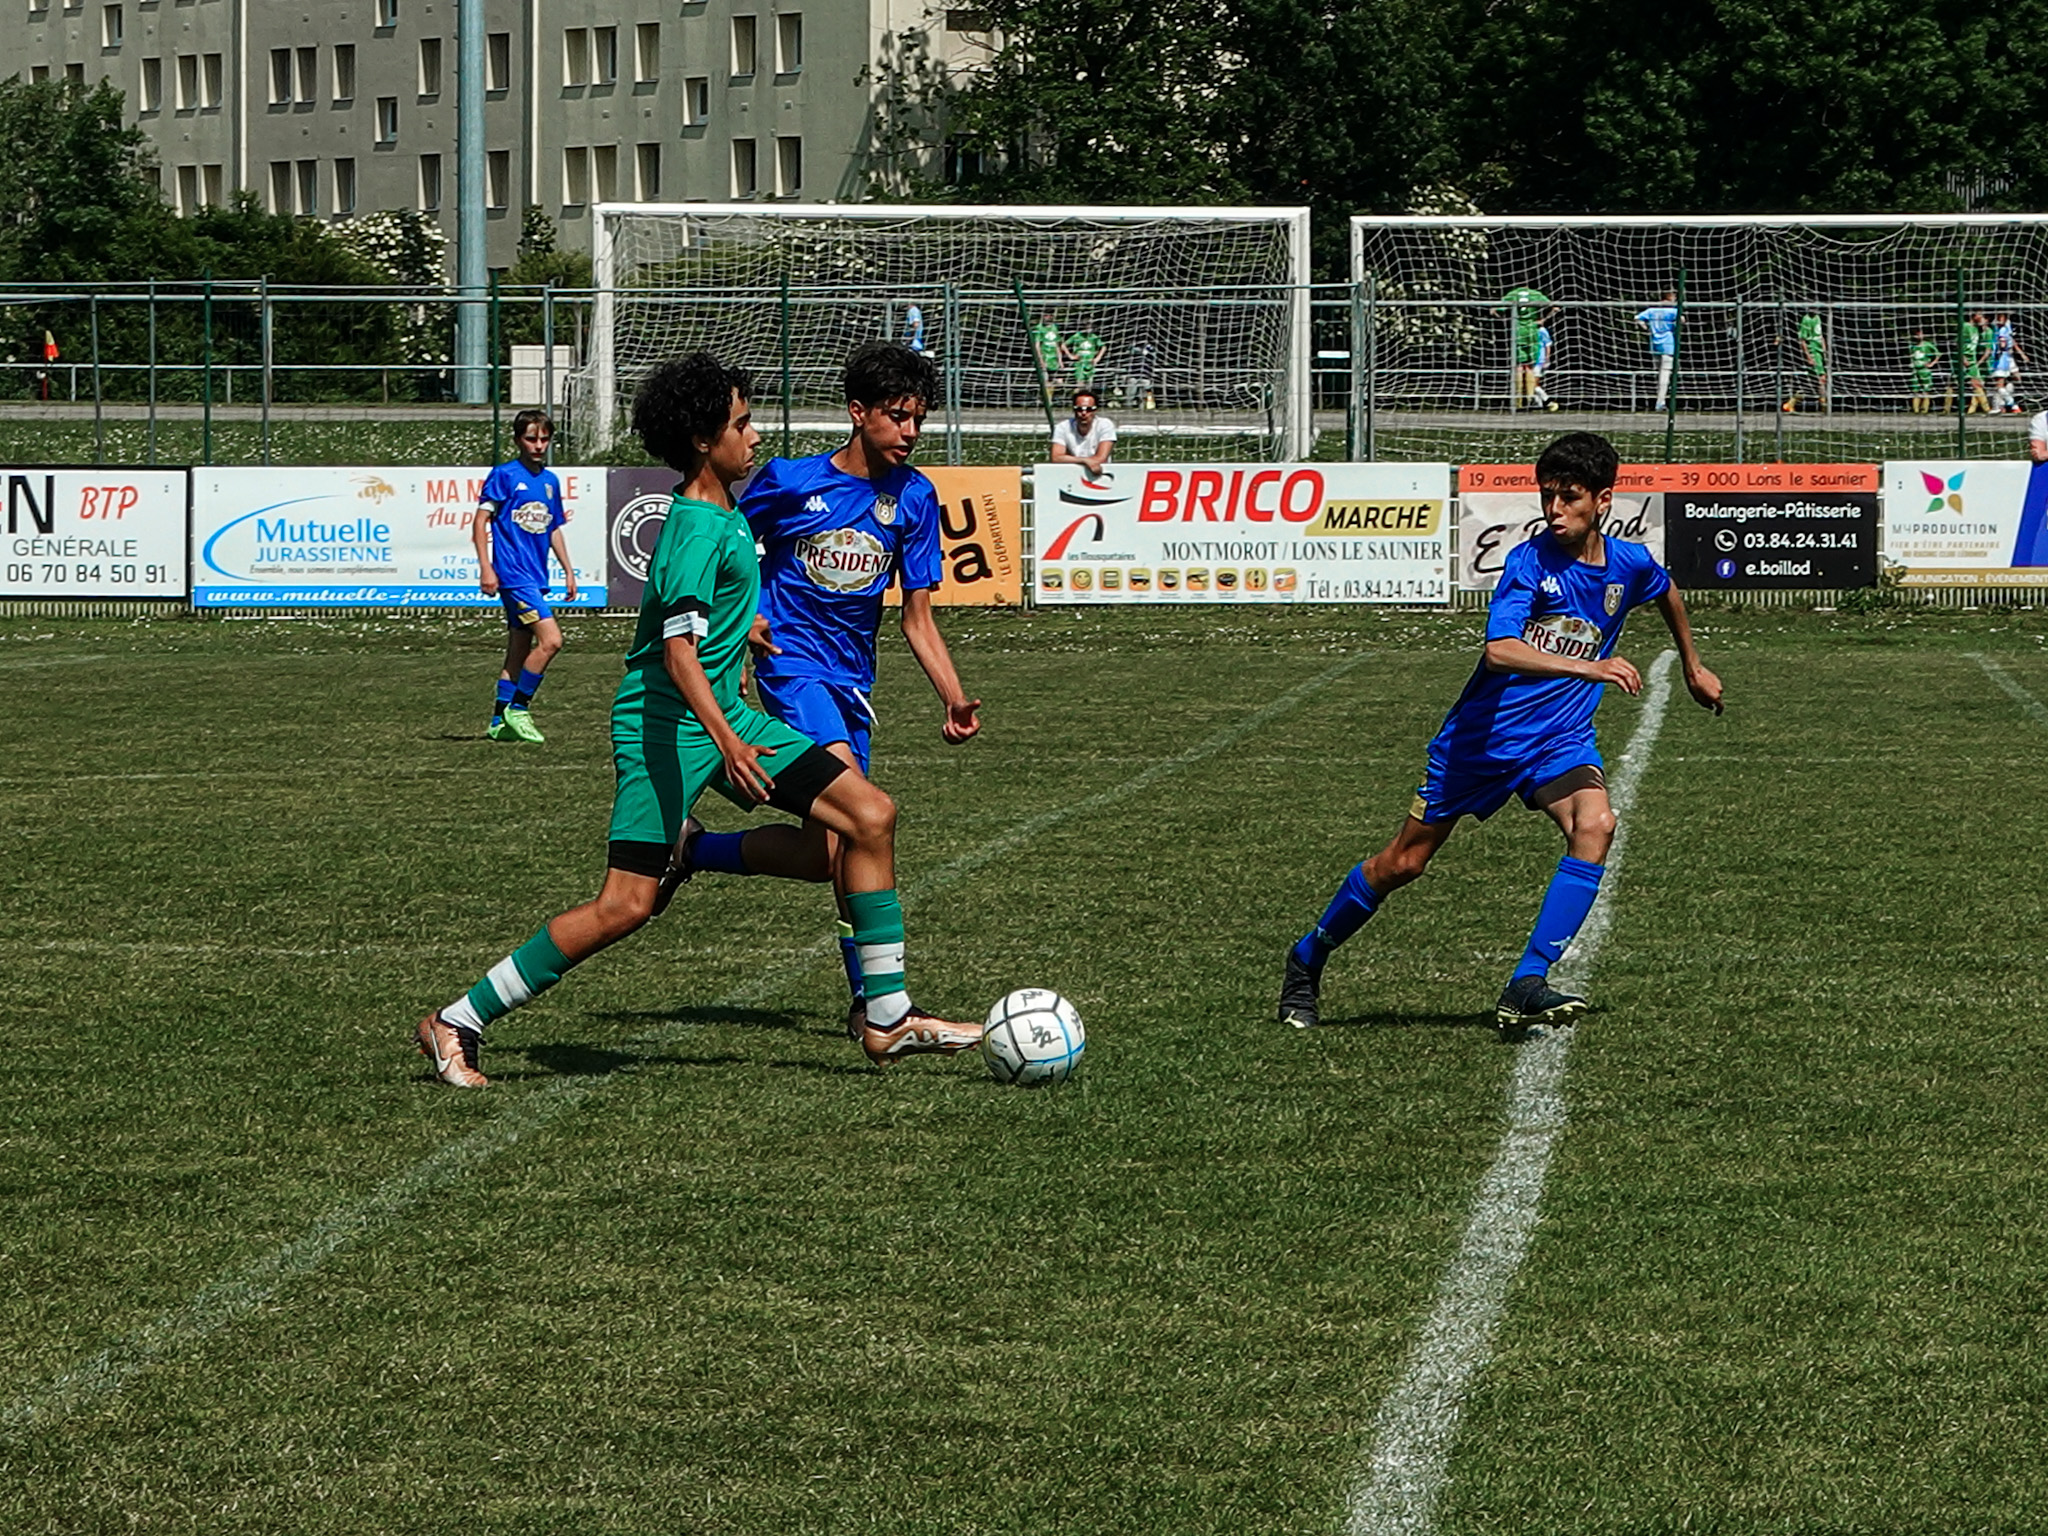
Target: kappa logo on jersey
844 560
815 504
1564 634
885 510
1614 591
532 516
1552 586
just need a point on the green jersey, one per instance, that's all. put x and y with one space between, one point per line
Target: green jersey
704 580
1525 308
1973 347
1086 348
1923 357
1045 339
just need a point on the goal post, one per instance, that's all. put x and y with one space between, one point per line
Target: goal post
1797 336
1192 323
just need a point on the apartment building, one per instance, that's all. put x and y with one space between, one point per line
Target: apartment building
335 108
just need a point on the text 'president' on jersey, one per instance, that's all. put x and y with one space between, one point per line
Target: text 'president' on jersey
1562 607
830 542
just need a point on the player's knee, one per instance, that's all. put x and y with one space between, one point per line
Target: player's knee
873 814
622 912
1595 829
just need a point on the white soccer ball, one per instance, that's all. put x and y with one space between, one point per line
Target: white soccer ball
1033 1037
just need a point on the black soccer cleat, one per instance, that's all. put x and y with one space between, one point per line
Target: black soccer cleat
1300 989
1531 1000
682 863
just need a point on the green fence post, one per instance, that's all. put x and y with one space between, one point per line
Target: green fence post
497 393
1037 363
1961 370
99 420
955 395
206 369
1741 379
264 314
152 370
786 443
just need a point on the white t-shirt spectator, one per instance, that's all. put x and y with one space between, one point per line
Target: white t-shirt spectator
2037 436
1084 445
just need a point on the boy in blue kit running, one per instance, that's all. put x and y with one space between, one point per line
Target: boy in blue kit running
519 520
1524 726
834 530
679 727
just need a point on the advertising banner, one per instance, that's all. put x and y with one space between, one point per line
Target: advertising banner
1243 533
981 531
94 533
1727 526
365 538
1967 523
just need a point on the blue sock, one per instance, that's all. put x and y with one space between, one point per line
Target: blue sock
527 686
719 852
1354 902
1564 909
504 698
850 953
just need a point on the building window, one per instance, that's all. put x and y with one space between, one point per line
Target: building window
430 66
209 82
74 74
280 186
604 172
430 183
188 190
746 179
38 8
188 81
38 73
497 61
152 85
498 178
575 57
742 47
604 49
387 119
647 52
387 13
646 173
280 76
344 72
110 27
575 177
789 166
789 42
344 186
309 188
309 76
697 101
210 185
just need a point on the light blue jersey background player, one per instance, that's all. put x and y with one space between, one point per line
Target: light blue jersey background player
834 530
1524 726
518 523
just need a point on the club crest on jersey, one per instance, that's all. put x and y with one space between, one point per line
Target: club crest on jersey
1614 590
844 560
885 510
532 516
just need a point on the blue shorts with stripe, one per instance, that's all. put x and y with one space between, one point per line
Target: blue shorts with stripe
824 711
524 606
1452 787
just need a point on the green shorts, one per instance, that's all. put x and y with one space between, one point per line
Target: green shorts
664 764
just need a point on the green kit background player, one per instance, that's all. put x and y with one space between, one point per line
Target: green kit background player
1920 363
1045 346
1525 307
1084 350
679 727
1973 349
1813 358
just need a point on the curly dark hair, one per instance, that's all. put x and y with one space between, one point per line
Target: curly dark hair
881 371
684 399
1584 459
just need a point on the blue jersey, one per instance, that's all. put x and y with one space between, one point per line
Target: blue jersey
1542 347
1663 324
526 509
1561 606
913 328
2001 342
830 542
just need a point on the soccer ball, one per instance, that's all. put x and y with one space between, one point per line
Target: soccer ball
1033 1037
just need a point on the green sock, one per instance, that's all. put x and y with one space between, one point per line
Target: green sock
877 918
519 978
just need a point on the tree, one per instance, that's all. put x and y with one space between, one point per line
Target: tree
71 177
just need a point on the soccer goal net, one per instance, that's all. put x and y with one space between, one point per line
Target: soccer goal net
1193 324
1817 338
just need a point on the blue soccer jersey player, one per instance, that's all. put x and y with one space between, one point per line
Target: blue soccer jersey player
518 523
834 530
1524 726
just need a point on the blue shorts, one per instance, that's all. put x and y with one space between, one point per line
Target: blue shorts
524 606
1453 787
825 712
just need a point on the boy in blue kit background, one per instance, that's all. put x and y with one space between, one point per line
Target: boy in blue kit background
1524 726
834 530
519 521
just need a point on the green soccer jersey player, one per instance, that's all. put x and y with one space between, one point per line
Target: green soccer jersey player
1920 363
1525 315
1084 351
1813 357
1973 347
1045 346
679 727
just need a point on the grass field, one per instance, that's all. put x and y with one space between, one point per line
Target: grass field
690 1265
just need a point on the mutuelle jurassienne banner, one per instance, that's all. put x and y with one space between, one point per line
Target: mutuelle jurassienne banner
373 537
1243 533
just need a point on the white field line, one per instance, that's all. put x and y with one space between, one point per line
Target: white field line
249 1286
1418 1422
2012 687
10 663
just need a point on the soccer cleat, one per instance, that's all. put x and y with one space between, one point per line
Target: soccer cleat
1550 405
1300 989
500 731
452 1049
520 723
916 1033
1532 1000
856 1017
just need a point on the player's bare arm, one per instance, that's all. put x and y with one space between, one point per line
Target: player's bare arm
1520 656
1703 685
742 759
921 631
560 545
480 535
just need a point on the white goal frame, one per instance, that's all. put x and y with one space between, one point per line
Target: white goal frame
606 218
